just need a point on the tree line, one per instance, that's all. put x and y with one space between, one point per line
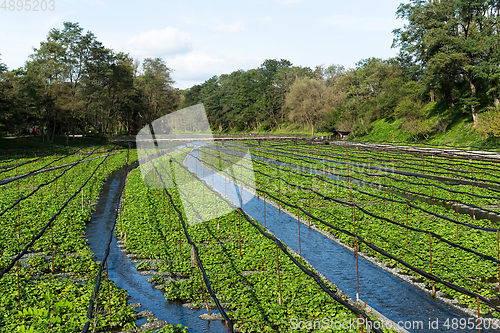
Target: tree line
73 84
448 68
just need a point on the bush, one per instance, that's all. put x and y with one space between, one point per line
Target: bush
489 124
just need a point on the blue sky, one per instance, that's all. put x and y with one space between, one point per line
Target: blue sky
200 39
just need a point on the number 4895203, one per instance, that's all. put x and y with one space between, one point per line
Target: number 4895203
28 5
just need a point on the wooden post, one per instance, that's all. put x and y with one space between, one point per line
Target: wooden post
473 214
279 278
107 281
315 195
18 290
239 229
478 315
385 201
432 196
180 239
392 194
265 219
309 217
430 255
298 222
169 218
192 257
52 245
279 193
407 244
203 288
357 267
70 226
367 327
18 212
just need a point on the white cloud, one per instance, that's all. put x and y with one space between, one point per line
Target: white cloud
196 67
288 2
168 41
234 27
262 21
361 23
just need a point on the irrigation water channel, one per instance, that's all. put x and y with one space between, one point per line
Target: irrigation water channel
462 209
388 170
393 297
122 271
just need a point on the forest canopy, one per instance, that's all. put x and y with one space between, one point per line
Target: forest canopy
448 68
73 84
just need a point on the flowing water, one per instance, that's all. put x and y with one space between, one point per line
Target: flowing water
395 298
122 271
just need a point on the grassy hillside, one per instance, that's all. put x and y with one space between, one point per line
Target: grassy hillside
460 133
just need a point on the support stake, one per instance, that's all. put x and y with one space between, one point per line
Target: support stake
279 278
18 290
52 244
309 217
107 282
478 315
180 240
203 288
430 255
298 222
239 230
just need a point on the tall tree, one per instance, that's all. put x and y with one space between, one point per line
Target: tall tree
3 67
56 69
451 39
156 83
307 102
15 112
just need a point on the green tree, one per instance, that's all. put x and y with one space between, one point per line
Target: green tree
55 71
3 67
452 40
282 82
307 102
16 116
155 84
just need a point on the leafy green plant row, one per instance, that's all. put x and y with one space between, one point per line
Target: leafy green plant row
21 189
442 166
55 287
12 158
390 156
427 166
449 263
57 159
429 187
386 185
249 284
